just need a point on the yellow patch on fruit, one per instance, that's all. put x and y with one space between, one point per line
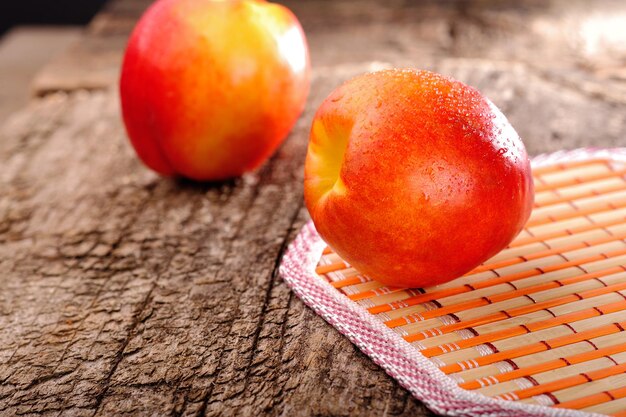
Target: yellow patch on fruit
324 160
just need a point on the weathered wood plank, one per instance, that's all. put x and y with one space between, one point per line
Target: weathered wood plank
17 69
126 293
91 64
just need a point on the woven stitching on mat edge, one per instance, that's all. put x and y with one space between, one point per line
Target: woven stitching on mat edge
387 348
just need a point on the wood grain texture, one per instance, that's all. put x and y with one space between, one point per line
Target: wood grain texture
18 69
126 293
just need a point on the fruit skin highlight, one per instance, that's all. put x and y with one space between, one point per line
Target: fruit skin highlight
210 88
415 178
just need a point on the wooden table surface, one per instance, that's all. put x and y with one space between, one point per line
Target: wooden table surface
126 293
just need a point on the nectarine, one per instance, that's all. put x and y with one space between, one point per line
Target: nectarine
415 178
209 89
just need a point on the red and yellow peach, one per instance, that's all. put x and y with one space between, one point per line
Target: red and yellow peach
209 89
415 178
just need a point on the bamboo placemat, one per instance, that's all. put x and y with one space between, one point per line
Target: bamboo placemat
542 322
538 330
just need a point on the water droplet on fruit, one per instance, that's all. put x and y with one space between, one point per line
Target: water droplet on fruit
337 98
502 151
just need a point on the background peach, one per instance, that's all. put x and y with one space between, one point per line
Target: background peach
209 89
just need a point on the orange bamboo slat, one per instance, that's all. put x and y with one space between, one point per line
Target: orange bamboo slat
500 297
525 328
544 356
594 399
336 266
577 180
560 384
578 191
520 311
533 348
353 280
570 166
548 252
418 296
567 232
483 301
544 367
542 321
572 173
611 205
